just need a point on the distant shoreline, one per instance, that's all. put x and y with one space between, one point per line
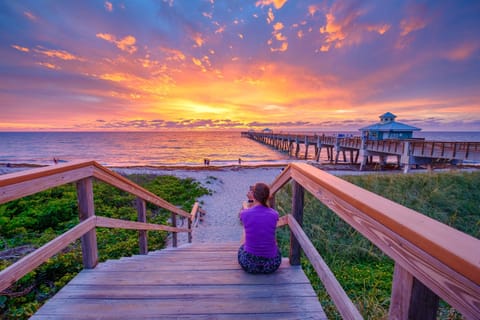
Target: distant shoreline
336 169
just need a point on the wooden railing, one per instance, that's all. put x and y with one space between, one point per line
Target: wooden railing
431 259
17 185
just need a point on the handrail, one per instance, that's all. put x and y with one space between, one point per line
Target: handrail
345 306
14 272
20 184
444 259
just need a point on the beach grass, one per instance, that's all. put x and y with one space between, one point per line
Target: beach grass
363 270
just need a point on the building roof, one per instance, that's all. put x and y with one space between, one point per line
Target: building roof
390 126
387 123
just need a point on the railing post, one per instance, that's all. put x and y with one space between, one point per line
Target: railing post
190 224
174 234
411 299
86 210
142 217
297 212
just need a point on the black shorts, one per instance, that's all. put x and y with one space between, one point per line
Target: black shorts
256 264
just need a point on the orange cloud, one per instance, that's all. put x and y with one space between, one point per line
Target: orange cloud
173 54
49 65
126 44
278 26
380 29
347 30
276 3
312 10
199 41
19 48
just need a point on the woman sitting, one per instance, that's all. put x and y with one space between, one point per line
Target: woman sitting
259 253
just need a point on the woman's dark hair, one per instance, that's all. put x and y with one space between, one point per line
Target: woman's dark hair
261 193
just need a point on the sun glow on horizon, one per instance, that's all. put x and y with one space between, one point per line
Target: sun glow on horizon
272 63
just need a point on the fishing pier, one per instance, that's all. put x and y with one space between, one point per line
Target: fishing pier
408 152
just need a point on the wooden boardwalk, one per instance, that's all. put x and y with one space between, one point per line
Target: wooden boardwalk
201 281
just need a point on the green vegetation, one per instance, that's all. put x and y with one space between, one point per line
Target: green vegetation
30 222
364 271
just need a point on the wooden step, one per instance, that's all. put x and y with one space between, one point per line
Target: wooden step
201 281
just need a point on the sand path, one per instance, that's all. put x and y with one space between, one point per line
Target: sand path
229 187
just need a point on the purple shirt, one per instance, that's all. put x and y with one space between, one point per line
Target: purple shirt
260 224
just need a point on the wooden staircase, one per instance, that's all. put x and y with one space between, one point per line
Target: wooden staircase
201 281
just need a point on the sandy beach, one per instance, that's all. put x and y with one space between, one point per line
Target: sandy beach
229 186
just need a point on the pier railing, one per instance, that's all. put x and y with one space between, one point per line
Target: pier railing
431 259
408 152
17 185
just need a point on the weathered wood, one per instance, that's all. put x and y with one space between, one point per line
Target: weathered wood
343 303
423 303
298 195
86 210
28 263
401 293
425 149
171 290
173 220
356 206
142 217
193 217
134 225
454 248
20 184
124 184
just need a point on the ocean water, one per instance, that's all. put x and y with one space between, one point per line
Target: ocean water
134 148
156 148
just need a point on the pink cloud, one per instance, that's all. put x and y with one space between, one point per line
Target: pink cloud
462 52
411 24
108 6
59 54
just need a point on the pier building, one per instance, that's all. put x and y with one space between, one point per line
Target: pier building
388 128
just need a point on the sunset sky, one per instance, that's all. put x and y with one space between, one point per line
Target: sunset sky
231 64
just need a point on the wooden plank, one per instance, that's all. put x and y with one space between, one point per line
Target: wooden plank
86 211
184 291
17 185
140 308
124 184
188 293
297 214
344 305
134 225
456 249
181 276
276 316
28 263
174 264
142 217
458 291
401 293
